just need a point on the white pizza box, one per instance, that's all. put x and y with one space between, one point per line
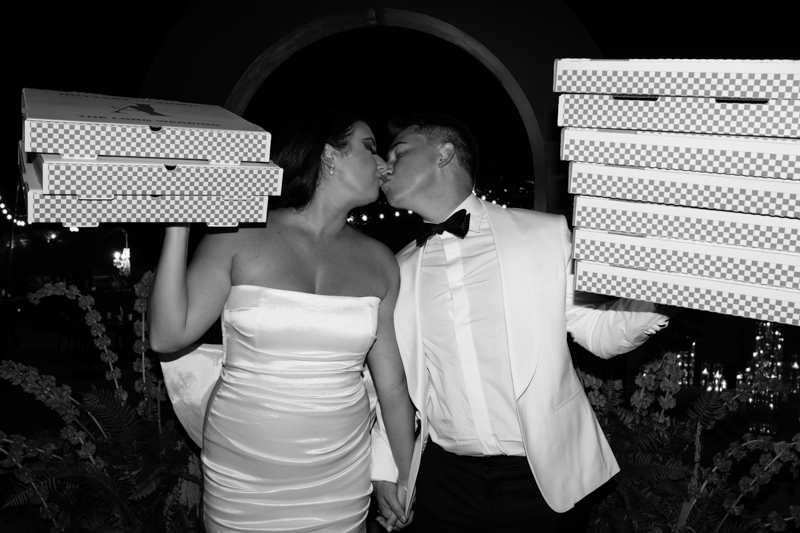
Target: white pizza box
84 126
691 189
106 177
727 297
722 78
743 265
742 156
73 211
688 224
765 118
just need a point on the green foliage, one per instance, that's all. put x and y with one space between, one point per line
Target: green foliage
111 467
668 482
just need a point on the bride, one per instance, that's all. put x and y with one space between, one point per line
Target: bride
304 300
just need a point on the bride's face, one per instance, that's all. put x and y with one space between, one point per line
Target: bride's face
359 167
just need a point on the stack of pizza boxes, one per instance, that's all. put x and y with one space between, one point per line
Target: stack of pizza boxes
88 158
688 179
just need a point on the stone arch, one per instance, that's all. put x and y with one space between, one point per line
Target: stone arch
222 56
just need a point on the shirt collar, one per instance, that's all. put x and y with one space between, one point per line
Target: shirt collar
476 211
474 207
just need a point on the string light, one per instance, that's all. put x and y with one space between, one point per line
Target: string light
9 216
397 214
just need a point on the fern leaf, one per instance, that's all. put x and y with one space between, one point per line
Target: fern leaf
657 473
709 510
118 420
650 441
709 408
20 495
108 493
149 485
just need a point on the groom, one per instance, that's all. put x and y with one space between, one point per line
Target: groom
485 305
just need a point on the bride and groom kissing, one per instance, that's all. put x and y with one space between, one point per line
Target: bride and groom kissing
468 415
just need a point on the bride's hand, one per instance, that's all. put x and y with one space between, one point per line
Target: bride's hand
391 498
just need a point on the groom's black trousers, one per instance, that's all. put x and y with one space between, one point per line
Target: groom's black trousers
478 494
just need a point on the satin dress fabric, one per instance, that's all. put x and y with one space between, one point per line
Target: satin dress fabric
286 443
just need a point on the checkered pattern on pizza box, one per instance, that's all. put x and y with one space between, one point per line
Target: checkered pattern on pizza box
84 126
701 260
774 118
685 223
108 176
213 210
73 140
709 191
76 212
743 156
760 303
680 77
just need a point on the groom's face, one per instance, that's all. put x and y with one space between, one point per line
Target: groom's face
411 170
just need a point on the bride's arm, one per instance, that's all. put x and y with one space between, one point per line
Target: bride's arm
389 377
185 302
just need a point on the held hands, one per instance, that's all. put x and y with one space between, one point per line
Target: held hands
391 499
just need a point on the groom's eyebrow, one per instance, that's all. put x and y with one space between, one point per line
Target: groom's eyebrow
396 144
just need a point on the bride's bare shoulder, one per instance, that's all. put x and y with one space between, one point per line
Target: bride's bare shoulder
230 240
377 251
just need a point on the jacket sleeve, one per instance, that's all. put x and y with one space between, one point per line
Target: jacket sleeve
383 465
604 325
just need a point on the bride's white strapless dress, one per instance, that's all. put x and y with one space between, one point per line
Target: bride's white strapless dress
285 437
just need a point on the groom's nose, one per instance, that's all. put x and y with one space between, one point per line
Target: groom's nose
382 165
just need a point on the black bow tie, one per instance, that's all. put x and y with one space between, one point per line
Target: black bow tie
457 224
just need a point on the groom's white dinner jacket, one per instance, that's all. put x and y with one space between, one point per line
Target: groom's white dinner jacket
564 444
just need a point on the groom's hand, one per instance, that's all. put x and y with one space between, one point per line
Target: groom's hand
390 510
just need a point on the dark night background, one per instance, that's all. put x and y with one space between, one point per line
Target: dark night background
376 72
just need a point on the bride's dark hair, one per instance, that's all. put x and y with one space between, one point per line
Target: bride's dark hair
298 150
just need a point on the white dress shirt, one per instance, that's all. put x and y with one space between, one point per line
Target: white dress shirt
472 407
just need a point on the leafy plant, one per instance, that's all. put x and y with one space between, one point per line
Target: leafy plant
668 480
111 467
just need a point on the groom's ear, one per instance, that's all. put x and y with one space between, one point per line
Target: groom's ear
446 154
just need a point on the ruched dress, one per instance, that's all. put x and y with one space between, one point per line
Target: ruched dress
286 443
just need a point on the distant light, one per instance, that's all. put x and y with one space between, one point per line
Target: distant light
53 235
364 218
8 217
397 213
483 197
381 215
5 212
73 229
494 201
122 260
410 212
504 206
2 205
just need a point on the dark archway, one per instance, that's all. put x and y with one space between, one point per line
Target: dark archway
238 45
353 81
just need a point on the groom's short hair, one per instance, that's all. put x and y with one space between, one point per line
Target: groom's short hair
439 129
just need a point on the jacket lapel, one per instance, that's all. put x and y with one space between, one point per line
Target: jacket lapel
407 327
516 275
